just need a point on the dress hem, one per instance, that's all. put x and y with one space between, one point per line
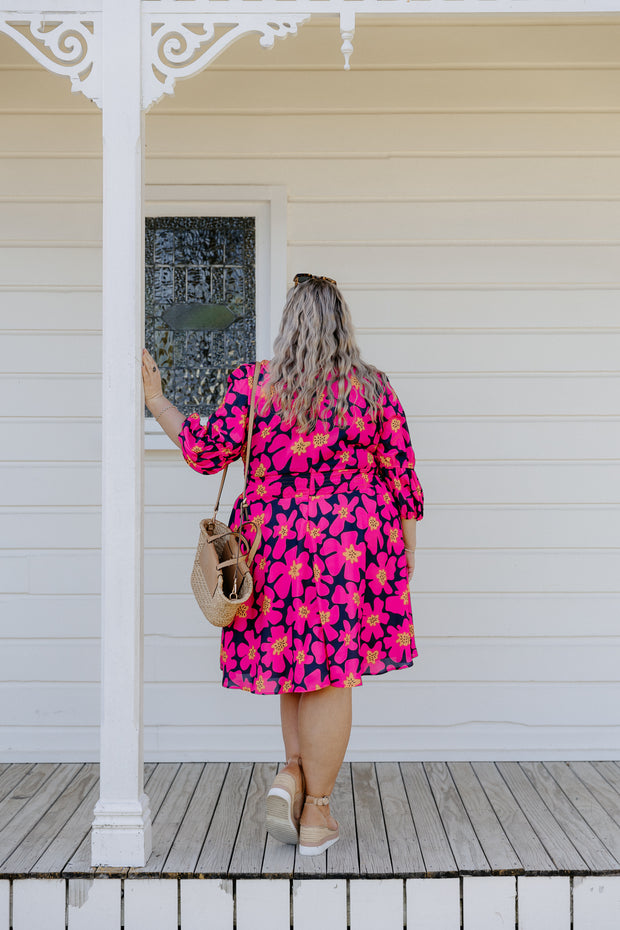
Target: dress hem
297 690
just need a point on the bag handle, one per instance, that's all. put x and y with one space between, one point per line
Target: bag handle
248 443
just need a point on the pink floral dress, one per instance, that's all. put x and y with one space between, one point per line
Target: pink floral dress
331 599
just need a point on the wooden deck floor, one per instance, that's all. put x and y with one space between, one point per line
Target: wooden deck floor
408 819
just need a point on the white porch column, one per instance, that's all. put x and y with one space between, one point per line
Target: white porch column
121 832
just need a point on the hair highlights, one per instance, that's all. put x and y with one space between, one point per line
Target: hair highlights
316 344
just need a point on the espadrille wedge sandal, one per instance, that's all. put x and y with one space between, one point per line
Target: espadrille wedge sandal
285 802
315 840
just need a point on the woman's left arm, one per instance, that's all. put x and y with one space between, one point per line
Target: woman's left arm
167 415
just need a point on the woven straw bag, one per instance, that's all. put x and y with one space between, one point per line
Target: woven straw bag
221 579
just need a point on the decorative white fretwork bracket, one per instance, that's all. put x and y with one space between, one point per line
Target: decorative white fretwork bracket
181 47
65 43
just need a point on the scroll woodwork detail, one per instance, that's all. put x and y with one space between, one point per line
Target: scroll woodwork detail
177 49
69 46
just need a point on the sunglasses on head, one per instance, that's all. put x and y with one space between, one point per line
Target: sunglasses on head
304 278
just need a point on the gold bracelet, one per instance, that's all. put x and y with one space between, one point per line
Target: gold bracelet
169 407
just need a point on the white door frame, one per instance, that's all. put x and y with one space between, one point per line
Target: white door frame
267 204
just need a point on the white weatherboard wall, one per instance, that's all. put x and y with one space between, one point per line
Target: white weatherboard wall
461 182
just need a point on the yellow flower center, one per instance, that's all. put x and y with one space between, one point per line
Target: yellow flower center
373 523
382 576
352 554
324 616
343 512
372 656
283 531
295 569
320 439
404 639
351 681
252 652
300 447
279 646
266 605
304 611
373 620
260 683
300 657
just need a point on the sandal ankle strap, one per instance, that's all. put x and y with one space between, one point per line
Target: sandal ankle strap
321 802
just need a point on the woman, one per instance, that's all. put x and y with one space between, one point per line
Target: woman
333 487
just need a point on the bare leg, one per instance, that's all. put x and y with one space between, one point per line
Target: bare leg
324 728
289 715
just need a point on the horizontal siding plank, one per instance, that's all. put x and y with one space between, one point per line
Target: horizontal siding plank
51 310
589 132
393 133
451 264
436 174
440 438
526 704
209 742
440 613
479 306
415 305
80 353
563 570
436 220
546 175
466 526
458 483
42 266
313 88
442 394
464 658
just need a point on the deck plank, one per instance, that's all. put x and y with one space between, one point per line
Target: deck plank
466 847
587 833
190 839
278 858
608 797
372 841
23 791
610 772
495 844
343 856
525 841
216 854
249 850
551 834
12 776
169 817
434 844
29 814
402 839
36 841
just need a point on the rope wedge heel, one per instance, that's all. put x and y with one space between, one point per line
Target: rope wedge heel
284 806
315 840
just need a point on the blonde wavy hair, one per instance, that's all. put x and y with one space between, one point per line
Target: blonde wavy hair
316 343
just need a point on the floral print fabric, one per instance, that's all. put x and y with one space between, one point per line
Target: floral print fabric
331 599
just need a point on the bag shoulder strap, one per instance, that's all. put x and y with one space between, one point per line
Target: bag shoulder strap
248 443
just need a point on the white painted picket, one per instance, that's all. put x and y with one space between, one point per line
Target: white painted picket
488 902
544 902
433 903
